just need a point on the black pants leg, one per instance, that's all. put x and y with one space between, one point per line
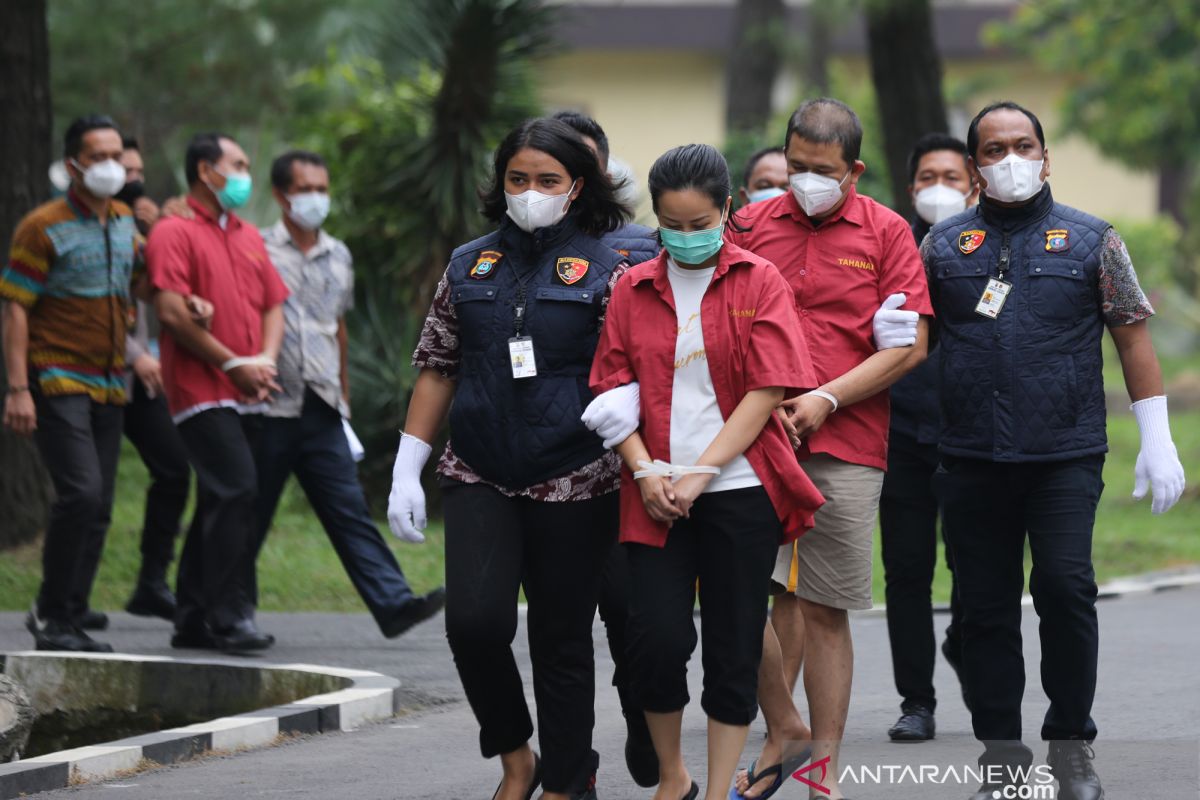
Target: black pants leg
149 427
493 544
729 544
567 546
908 515
613 606
985 524
79 441
329 477
1060 511
276 454
216 565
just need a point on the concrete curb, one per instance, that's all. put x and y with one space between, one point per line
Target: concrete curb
1148 583
370 697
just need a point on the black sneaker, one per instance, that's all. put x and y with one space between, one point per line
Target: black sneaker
1071 763
915 725
587 786
152 600
414 611
91 620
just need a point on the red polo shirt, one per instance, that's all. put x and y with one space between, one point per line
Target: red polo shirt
228 267
841 271
753 341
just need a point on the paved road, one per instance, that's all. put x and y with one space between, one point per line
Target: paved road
1148 711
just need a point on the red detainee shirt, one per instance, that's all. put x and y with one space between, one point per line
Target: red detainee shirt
841 271
228 267
751 333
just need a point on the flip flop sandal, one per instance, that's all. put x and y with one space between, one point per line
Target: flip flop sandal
753 777
534 784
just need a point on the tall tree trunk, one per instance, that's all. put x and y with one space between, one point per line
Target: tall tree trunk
1174 180
820 33
25 489
907 72
753 63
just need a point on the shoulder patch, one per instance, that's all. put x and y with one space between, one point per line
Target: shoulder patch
969 241
570 270
1058 241
485 265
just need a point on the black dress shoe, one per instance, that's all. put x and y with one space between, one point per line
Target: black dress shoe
915 725
66 637
152 600
1071 763
640 758
954 659
92 620
192 637
242 637
414 611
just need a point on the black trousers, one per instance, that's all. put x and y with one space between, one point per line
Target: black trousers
213 584
908 521
557 551
729 543
149 427
989 509
80 441
313 447
614 606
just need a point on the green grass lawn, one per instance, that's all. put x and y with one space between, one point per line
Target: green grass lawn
298 570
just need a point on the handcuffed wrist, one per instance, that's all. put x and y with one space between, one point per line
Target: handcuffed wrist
827 396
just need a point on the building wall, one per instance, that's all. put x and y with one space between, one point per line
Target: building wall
649 102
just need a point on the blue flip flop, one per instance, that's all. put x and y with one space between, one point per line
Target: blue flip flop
780 771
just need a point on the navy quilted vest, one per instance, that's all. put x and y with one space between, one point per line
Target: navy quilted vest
636 242
517 433
1026 386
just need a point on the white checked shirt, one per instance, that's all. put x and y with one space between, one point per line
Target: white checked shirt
321 282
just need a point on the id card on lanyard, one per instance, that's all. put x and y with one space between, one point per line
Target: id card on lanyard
520 348
997 289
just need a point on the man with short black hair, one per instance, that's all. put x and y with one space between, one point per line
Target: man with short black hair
764 177
941 186
217 381
303 431
66 291
1024 288
843 254
636 242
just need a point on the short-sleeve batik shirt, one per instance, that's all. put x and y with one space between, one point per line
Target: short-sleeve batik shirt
72 274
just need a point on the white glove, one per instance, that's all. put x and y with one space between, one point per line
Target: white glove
615 414
406 503
894 328
1158 467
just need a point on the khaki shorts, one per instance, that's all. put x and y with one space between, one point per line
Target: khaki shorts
831 564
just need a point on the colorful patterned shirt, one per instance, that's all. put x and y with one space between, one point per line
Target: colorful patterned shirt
321 283
72 274
438 349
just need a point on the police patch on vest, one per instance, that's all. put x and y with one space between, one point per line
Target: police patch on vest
571 269
1057 241
969 241
485 265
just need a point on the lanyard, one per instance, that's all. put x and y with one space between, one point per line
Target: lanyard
1002 264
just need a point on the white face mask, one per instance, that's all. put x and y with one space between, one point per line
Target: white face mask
103 179
532 210
309 209
938 202
1014 179
816 194
758 195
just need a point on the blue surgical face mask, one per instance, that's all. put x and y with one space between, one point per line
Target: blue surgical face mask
694 247
758 195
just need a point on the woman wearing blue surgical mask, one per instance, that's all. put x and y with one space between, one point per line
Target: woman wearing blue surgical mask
530 494
712 486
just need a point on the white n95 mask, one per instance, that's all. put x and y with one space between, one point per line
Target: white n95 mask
816 194
938 202
532 210
1014 179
